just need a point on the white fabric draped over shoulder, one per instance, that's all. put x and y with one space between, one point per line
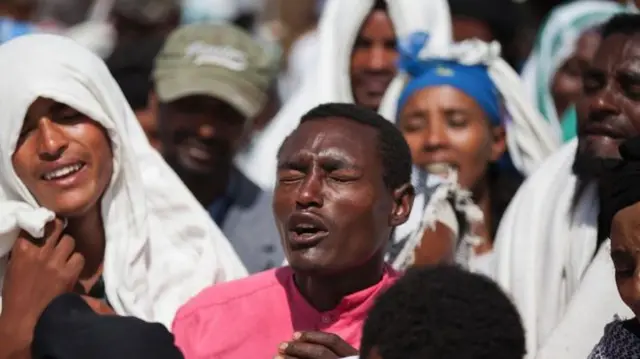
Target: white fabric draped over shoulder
330 80
162 248
543 254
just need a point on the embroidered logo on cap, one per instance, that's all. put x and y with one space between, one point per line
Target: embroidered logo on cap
202 53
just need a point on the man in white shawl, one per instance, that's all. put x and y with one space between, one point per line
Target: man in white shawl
548 237
73 155
357 42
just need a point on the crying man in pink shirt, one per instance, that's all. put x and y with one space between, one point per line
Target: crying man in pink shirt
343 186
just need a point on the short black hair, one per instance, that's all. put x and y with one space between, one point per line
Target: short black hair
393 149
626 24
131 65
443 312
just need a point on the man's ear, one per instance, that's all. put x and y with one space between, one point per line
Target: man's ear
403 198
498 142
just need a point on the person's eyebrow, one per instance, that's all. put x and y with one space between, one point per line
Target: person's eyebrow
337 163
291 163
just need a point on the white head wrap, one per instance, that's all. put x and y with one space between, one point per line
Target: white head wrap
330 80
162 248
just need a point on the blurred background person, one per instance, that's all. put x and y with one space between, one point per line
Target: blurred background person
211 81
463 110
131 65
471 19
564 48
16 18
126 20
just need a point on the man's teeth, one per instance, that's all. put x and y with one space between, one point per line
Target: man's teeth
61 172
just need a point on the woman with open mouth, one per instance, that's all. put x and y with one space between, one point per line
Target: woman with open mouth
464 114
86 204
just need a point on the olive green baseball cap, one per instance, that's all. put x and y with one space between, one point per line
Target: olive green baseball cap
216 60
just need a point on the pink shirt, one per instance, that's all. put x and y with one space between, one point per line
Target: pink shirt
250 317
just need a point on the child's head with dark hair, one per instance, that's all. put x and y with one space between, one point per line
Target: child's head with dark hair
443 312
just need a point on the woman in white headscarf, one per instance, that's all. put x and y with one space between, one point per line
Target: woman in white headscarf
71 150
565 44
330 80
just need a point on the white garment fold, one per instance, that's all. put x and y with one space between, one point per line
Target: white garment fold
162 247
545 245
338 29
595 304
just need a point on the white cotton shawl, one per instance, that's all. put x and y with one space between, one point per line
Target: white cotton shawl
162 248
544 247
593 305
339 26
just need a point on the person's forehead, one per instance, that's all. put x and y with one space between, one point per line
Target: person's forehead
333 134
378 23
618 50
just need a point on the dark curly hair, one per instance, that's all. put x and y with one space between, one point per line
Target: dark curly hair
443 312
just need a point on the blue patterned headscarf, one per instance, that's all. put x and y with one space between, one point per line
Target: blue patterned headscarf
474 81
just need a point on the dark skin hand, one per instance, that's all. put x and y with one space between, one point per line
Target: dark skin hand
36 274
315 345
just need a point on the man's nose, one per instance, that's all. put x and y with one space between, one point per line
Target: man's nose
206 131
52 141
378 58
310 191
603 103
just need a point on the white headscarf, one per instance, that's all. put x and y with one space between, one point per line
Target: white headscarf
162 248
330 82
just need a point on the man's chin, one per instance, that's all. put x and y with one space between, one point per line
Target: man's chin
593 157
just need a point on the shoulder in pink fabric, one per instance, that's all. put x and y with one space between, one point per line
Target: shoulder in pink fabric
250 317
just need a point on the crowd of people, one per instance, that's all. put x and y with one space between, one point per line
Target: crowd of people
370 179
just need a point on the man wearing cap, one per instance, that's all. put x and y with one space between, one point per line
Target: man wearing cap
211 81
